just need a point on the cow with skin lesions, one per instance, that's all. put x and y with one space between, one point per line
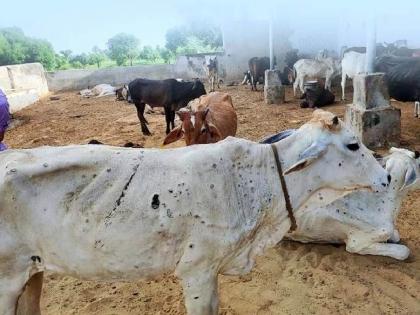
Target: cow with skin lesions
108 213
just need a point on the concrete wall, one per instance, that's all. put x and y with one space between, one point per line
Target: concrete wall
185 67
23 84
65 80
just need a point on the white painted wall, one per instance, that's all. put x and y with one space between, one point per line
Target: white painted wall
23 84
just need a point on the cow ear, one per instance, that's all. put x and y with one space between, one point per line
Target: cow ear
410 178
175 135
309 155
214 132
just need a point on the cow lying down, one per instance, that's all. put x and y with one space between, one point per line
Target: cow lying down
109 213
98 91
208 119
363 220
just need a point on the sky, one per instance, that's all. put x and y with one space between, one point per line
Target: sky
81 24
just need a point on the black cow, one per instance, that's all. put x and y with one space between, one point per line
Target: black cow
402 75
257 67
317 96
169 94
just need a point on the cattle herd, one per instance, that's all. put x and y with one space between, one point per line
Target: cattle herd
125 213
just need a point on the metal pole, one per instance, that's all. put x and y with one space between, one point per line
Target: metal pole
270 43
370 45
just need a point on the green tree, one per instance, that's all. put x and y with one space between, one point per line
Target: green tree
66 54
150 54
176 37
194 38
123 47
166 55
97 56
79 61
16 48
41 51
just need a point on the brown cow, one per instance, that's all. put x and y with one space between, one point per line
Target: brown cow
209 119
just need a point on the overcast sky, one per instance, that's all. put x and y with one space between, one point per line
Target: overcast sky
79 25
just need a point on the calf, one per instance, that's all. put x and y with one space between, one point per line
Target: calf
363 220
211 118
317 97
169 94
326 68
119 93
106 213
212 73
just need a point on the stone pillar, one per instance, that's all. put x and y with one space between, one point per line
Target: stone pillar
273 90
371 116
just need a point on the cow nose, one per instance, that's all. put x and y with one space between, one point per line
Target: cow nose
389 178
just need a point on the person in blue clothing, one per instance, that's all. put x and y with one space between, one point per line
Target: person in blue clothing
4 119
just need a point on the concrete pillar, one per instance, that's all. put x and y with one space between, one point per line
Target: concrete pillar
273 90
371 116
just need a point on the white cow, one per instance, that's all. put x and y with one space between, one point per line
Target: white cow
352 63
110 213
363 220
322 68
99 90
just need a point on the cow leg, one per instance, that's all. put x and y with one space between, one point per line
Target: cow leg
371 244
301 85
396 251
343 86
10 289
29 301
416 109
172 119
327 84
143 122
200 292
217 80
295 86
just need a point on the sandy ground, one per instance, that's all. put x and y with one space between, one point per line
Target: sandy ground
291 278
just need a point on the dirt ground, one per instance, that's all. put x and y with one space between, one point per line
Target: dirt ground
292 278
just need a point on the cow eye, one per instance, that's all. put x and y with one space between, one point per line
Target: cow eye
353 146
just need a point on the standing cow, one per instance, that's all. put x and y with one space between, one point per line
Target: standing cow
170 94
324 68
352 63
257 67
108 213
212 73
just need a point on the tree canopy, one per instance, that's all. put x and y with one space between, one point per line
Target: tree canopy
122 49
